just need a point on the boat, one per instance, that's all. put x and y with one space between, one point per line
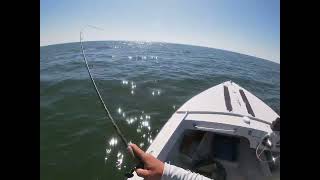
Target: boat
225 132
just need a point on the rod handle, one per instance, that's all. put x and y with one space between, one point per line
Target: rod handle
138 166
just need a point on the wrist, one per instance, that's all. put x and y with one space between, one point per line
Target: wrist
162 169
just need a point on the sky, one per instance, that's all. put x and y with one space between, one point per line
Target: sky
249 27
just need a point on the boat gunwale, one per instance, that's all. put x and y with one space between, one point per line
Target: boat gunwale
224 113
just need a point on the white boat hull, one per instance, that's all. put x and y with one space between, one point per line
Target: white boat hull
224 109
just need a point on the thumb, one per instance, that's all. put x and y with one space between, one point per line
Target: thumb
143 172
137 151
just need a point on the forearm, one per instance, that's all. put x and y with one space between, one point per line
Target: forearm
172 172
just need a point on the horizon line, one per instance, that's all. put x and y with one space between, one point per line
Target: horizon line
162 42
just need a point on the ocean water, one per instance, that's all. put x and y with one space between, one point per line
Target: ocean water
142 83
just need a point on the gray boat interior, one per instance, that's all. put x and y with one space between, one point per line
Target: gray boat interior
220 156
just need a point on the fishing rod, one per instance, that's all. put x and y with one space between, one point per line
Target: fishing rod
114 124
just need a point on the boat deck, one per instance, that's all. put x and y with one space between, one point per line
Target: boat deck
244 166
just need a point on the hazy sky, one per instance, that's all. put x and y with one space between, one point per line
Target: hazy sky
246 26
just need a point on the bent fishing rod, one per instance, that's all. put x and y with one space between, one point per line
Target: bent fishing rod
114 124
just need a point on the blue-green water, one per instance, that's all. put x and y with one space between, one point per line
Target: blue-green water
142 83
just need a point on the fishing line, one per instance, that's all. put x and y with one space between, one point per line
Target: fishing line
123 139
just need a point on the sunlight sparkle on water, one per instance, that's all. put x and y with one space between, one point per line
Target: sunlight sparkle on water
150 140
125 82
108 151
113 141
119 110
145 123
119 160
130 120
156 92
133 85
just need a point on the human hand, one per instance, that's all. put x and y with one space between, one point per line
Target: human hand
153 168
